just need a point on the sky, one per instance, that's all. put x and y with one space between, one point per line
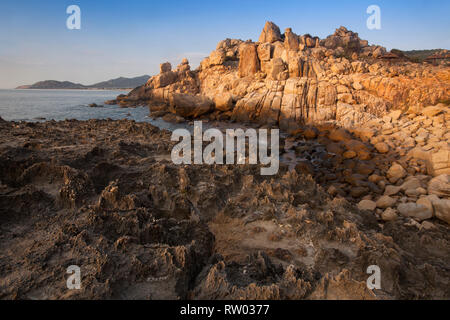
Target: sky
131 38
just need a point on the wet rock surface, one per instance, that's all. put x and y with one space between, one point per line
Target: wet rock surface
104 195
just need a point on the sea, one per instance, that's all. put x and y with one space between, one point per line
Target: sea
43 105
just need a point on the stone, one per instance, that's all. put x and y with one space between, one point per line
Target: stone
310 43
277 67
416 211
375 178
335 148
217 57
395 173
310 133
265 52
382 147
389 214
365 169
223 102
385 202
184 66
442 209
164 79
411 183
425 202
392 190
249 62
291 40
438 162
165 67
339 135
421 191
432 111
440 186
367 205
188 106
359 191
170 117
349 154
333 190
271 33
412 192
427 225
381 184
395 115
365 134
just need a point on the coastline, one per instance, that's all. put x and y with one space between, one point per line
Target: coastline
84 89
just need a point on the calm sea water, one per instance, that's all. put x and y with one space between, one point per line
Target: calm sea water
42 105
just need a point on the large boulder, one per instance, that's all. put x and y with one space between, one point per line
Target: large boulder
277 69
438 162
395 173
165 67
440 186
339 134
432 111
416 211
223 101
217 57
249 62
343 38
442 209
265 51
184 66
291 40
164 79
271 33
190 106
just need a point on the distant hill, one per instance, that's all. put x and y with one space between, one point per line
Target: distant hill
421 55
53 84
119 83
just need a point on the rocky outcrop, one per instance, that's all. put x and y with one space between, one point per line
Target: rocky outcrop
288 80
190 106
248 61
271 33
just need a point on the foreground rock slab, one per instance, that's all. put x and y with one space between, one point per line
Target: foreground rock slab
105 196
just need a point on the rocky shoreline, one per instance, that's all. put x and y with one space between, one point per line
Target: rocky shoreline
364 180
104 195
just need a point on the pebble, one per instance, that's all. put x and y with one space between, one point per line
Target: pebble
367 205
386 202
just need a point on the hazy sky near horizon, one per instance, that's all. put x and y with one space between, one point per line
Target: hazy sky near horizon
131 38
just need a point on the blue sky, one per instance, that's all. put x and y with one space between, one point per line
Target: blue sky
131 38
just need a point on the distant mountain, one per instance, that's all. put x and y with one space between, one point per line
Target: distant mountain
53 84
119 83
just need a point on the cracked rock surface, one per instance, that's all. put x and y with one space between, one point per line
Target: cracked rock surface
104 195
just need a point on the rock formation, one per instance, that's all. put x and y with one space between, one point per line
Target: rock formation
101 194
382 131
287 80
